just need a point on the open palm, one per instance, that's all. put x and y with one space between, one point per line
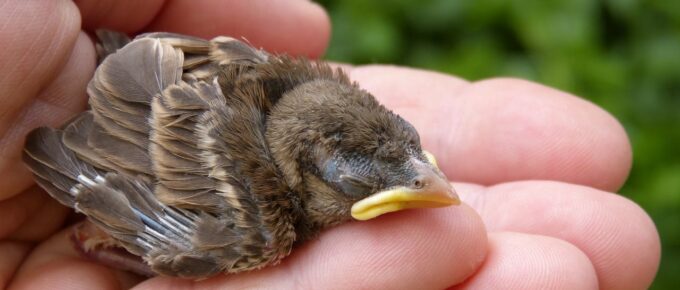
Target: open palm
535 166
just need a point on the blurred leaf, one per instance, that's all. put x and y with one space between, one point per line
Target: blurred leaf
624 55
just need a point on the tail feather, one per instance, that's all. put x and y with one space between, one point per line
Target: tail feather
57 168
56 190
60 181
124 206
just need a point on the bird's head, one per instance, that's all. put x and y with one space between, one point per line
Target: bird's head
350 157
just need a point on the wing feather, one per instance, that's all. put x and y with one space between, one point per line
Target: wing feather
175 148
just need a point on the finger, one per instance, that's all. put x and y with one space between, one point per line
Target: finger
58 101
420 249
521 261
502 130
41 223
54 264
12 254
41 36
298 28
295 27
126 16
616 234
30 216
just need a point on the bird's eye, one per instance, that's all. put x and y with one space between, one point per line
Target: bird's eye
349 174
354 185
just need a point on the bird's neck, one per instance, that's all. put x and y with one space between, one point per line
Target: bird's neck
296 89
296 144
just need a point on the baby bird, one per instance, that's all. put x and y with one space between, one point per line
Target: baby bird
203 157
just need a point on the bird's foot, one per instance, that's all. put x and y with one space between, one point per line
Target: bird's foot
96 245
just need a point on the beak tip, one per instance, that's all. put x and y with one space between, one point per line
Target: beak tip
455 199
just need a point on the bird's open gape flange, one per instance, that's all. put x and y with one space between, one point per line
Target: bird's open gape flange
203 157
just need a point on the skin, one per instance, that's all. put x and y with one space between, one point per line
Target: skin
535 167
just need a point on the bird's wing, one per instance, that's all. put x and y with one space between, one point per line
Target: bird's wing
122 205
203 58
165 165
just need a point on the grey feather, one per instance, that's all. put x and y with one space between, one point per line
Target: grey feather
146 67
109 42
117 214
75 138
119 152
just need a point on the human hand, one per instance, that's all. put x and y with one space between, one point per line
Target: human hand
520 233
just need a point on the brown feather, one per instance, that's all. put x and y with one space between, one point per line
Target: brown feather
200 199
227 50
119 152
121 132
105 111
109 42
75 139
56 184
139 71
188 44
117 214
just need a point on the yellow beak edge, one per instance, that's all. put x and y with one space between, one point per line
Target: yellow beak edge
436 192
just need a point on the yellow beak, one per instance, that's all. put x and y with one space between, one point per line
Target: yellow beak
432 189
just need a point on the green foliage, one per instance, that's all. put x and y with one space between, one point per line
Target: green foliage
624 55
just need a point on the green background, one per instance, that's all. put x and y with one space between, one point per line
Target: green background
622 55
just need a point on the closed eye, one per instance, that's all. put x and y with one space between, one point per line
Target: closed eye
355 179
355 185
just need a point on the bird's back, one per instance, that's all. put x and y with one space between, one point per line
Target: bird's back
171 158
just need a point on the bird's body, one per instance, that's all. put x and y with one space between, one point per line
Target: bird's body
211 156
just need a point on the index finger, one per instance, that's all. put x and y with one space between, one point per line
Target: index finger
417 249
293 27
